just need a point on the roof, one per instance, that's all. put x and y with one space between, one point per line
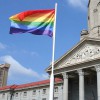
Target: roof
8 87
33 84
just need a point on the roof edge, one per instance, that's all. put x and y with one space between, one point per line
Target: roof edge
28 85
80 42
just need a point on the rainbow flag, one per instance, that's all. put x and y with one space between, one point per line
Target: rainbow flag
37 22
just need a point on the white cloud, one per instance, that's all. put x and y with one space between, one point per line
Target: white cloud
45 76
79 3
2 46
19 73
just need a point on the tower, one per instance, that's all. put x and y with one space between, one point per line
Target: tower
4 74
94 18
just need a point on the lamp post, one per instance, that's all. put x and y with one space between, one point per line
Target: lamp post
12 90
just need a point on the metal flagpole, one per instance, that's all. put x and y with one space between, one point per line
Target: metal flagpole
51 93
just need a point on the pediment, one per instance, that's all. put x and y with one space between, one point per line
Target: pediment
85 50
85 53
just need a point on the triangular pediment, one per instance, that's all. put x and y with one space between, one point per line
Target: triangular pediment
85 50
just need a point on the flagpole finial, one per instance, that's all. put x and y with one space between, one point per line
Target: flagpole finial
56 3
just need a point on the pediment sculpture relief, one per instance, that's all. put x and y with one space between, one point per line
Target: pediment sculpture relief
87 53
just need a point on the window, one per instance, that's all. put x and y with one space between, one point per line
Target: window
55 98
56 89
3 95
44 99
25 94
34 92
16 95
44 91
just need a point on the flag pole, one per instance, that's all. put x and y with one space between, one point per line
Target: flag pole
51 93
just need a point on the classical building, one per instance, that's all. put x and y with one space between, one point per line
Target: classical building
80 67
78 70
4 74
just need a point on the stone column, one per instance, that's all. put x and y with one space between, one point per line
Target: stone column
81 84
65 86
98 81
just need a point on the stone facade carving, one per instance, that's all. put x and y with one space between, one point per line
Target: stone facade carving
89 52
65 75
80 72
97 67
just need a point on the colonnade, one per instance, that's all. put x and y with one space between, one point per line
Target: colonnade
81 83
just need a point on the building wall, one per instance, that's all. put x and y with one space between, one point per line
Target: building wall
94 19
42 93
5 95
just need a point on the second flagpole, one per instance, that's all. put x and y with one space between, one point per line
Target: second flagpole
51 93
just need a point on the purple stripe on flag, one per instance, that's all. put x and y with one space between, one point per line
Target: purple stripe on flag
35 32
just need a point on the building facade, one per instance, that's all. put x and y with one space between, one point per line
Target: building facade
78 70
31 91
80 67
4 74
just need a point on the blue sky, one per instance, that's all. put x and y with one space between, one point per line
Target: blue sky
29 55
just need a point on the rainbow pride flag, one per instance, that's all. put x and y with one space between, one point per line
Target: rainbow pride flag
37 22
